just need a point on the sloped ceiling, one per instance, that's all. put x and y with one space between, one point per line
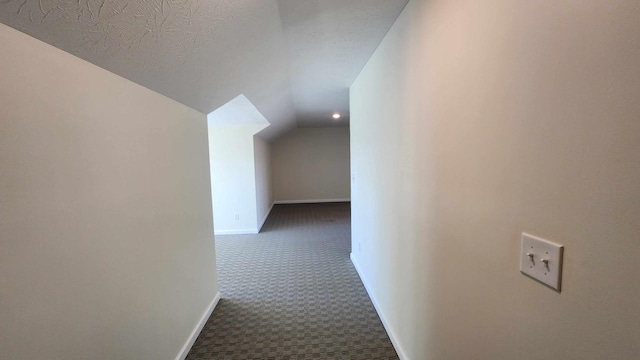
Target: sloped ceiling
239 111
293 59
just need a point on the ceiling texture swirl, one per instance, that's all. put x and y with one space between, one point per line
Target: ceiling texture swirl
293 59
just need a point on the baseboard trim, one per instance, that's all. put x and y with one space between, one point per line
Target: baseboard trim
196 331
392 336
235 232
311 201
246 231
265 217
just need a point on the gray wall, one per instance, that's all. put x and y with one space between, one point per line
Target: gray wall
264 183
106 235
473 122
311 164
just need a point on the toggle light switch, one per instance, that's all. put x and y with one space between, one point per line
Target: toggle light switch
542 260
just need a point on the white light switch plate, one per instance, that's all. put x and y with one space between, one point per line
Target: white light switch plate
534 252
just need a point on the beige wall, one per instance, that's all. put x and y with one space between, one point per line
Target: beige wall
311 164
473 122
106 236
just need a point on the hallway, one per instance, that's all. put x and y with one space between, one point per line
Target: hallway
291 292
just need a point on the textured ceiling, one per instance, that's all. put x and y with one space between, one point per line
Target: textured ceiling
329 42
293 59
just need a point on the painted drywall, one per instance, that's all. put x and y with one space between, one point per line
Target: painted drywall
264 185
279 53
329 42
311 164
106 234
474 122
233 178
238 172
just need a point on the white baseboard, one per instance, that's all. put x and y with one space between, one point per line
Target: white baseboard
245 231
265 217
235 232
311 201
394 339
196 331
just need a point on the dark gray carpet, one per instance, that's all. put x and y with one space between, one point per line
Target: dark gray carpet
291 292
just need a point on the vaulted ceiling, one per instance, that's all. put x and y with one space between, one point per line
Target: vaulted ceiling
293 59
